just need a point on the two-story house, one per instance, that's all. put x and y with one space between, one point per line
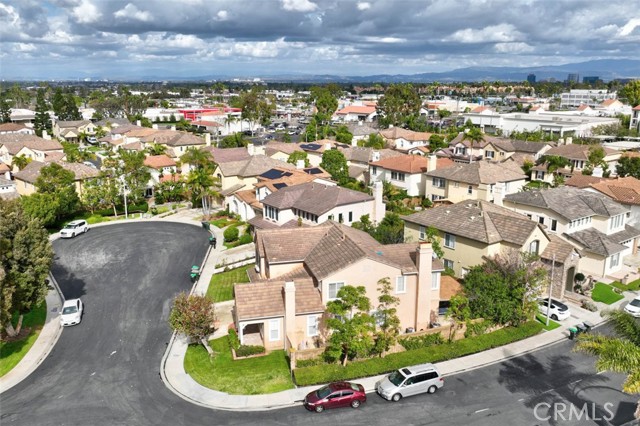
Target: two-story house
298 270
625 191
30 146
26 178
592 222
235 175
482 180
406 171
160 166
635 118
71 131
404 140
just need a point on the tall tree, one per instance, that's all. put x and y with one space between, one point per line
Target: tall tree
200 182
474 136
631 91
42 120
628 166
25 259
193 315
60 183
399 105
351 325
58 104
136 175
386 317
335 163
325 102
5 110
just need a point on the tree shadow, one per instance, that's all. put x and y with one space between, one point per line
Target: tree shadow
555 382
70 285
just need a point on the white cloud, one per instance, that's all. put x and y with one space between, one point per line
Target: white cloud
513 47
363 5
25 47
630 26
299 5
222 15
385 39
132 12
492 33
86 12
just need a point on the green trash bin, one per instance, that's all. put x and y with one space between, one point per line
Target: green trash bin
206 225
573 332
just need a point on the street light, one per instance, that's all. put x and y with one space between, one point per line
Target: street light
125 189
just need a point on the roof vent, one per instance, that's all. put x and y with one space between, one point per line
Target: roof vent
447 211
472 218
379 253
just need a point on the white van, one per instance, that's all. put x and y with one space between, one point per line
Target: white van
409 381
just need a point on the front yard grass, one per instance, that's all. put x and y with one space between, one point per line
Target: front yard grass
543 320
12 352
604 293
221 284
251 376
632 286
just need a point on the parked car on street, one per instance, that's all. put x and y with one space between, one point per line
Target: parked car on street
559 311
334 395
633 307
72 310
408 381
74 228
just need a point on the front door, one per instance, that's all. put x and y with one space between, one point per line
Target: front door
571 272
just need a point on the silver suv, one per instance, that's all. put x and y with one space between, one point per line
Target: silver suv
410 381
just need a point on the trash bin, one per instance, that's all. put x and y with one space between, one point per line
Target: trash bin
588 325
206 225
195 273
581 328
573 332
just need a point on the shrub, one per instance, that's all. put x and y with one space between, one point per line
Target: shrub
435 353
411 343
477 328
248 350
231 234
589 305
310 362
221 213
246 239
234 341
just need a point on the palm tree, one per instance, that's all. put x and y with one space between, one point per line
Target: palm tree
474 136
618 354
20 161
156 149
554 163
230 119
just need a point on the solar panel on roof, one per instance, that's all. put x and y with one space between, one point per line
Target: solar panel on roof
273 174
311 146
280 185
314 171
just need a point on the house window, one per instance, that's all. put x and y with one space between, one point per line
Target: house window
350 217
374 170
272 213
490 154
450 241
312 325
456 184
470 190
397 176
448 264
541 220
334 288
539 175
274 330
534 246
423 233
401 286
438 182
615 260
435 280
554 225
340 218
506 187
616 221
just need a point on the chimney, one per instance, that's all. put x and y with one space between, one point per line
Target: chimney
7 175
173 128
46 135
379 208
375 156
391 126
138 123
425 298
560 141
207 139
569 140
154 126
289 312
327 146
597 172
251 149
433 162
499 193
300 164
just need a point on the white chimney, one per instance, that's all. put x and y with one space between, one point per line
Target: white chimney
375 156
597 172
327 146
46 135
138 123
289 311
379 208
154 126
173 128
433 162
7 175
425 295
300 164
251 149
560 141
207 139
499 193
569 140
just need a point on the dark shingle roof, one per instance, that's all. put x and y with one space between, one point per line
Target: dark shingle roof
480 172
596 242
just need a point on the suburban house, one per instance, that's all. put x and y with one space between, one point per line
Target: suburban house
177 141
16 128
8 190
358 159
498 149
635 118
298 270
354 113
240 174
315 149
403 139
482 180
472 230
31 146
247 203
591 221
281 150
160 166
71 131
360 131
26 178
315 203
625 191
406 171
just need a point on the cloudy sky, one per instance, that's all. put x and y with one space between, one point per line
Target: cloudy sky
181 38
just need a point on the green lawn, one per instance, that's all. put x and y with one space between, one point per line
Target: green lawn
552 324
632 286
251 376
604 293
221 285
12 352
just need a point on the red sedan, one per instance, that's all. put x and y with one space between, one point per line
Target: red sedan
334 395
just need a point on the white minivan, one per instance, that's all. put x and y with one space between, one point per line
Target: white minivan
74 228
408 381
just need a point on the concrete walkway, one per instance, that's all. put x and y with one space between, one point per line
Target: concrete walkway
179 382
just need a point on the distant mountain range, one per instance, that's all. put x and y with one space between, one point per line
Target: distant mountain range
605 69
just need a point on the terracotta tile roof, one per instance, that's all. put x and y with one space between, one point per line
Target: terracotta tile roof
4 168
411 164
480 172
477 220
12 127
624 190
174 138
274 147
266 299
636 108
583 107
291 177
31 172
174 177
579 180
355 109
140 132
159 161
16 141
609 102
314 198
449 287
479 109
576 152
53 156
398 132
225 155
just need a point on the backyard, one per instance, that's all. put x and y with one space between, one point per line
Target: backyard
221 284
12 352
250 376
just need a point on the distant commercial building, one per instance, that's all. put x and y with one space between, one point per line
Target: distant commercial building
531 78
591 80
575 78
577 97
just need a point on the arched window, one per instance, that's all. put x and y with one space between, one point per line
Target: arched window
534 246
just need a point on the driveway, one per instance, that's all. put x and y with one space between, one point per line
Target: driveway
106 370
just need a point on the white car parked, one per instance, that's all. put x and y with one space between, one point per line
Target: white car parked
74 228
633 307
559 311
71 312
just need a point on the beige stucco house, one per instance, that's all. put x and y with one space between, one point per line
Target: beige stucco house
26 178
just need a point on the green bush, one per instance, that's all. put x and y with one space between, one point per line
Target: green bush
231 234
248 350
132 208
436 353
221 213
411 343
310 362
234 341
477 328
245 239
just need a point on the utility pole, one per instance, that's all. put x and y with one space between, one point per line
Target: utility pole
553 265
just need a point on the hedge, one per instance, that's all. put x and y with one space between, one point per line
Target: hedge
131 208
411 343
248 350
314 375
231 234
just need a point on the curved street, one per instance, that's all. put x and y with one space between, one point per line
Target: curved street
106 370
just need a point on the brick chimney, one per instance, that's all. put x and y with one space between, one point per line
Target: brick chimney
289 312
424 257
